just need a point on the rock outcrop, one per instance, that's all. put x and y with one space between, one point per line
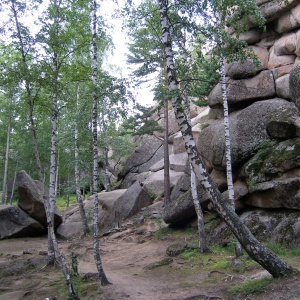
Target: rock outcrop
14 222
264 103
31 199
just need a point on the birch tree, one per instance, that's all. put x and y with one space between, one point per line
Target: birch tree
97 257
265 257
85 225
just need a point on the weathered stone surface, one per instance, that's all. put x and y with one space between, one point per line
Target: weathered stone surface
283 87
283 157
275 194
220 178
114 208
259 87
178 144
148 153
154 184
252 36
181 187
284 124
240 191
179 162
297 51
182 209
286 45
131 202
281 71
267 225
238 70
14 222
295 84
276 61
72 225
31 199
274 9
288 21
246 133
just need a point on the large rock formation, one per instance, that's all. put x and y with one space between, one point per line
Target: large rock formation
114 208
31 199
264 103
14 222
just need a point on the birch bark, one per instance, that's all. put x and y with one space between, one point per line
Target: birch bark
265 257
103 278
4 188
85 225
227 134
51 253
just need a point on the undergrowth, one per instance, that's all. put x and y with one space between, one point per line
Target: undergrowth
250 287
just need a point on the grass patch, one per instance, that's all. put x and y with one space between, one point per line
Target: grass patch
282 250
167 232
62 201
250 287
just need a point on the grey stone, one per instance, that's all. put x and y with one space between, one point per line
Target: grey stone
267 225
275 194
182 209
247 133
294 85
259 87
31 199
14 222
284 124
147 154
154 183
283 87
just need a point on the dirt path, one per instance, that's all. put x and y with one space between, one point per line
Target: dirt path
132 261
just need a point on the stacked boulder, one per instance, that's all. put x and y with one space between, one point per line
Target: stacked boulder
264 105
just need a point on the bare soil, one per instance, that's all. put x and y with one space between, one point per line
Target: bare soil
136 264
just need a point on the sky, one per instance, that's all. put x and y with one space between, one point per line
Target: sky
143 94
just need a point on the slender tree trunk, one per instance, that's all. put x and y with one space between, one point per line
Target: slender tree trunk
85 225
51 252
53 167
107 178
265 257
103 278
203 245
166 156
13 187
227 135
4 188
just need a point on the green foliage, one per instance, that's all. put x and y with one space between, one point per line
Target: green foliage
141 123
283 250
251 287
62 201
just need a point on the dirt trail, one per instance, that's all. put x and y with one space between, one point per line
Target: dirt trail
128 258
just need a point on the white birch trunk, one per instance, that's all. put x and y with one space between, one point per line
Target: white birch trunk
166 156
265 257
227 135
103 278
51 253
200 219
85 225
4 188
107 178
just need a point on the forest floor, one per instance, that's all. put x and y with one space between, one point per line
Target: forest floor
136 264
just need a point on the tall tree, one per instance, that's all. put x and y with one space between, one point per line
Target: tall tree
101 273
85 225
265 257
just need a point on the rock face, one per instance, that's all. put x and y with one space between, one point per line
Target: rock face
114 208
14 222
264 106
31 199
